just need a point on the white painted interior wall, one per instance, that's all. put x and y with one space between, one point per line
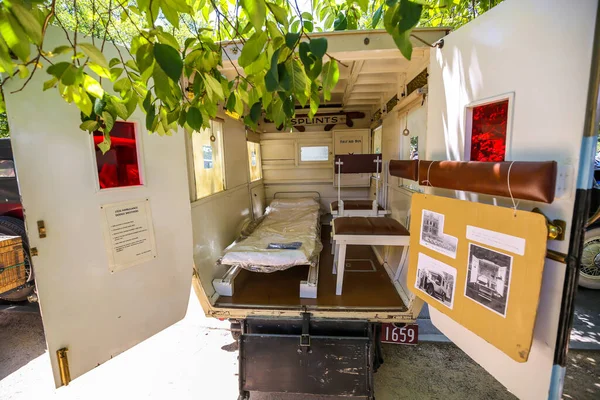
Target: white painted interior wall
217 220
543 56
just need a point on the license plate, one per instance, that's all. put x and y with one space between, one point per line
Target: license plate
408 334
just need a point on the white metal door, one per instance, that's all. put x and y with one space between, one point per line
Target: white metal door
536 53
89 307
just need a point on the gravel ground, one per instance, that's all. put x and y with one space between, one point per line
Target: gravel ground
197 359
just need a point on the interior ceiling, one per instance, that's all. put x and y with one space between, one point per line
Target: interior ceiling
367 84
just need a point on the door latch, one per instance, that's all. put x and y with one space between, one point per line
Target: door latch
556 228
41 229
63 366
305 336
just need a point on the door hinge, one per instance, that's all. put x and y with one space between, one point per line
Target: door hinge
556 228
305 336
41 229
63 366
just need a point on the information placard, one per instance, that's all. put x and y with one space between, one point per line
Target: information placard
481 265
128 233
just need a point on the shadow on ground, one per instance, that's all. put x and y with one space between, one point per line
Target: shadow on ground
20 342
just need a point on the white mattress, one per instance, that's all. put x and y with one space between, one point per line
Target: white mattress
285 221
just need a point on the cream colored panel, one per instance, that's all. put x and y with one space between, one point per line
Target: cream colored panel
257 191
326 190
236 153
391 141
217 221
305 175
278 150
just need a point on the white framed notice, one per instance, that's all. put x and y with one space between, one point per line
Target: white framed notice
128 233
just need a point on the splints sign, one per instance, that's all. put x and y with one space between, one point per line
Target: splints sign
319 120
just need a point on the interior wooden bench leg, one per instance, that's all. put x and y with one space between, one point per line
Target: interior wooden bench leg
340 269
335 257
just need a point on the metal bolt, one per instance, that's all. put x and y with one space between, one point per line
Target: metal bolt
367 41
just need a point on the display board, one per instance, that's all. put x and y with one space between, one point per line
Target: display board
481 265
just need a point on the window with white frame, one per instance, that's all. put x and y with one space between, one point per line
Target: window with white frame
313 153
377 139
207 150
254 162
488 129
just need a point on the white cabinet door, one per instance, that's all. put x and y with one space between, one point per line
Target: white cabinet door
116 265
537 53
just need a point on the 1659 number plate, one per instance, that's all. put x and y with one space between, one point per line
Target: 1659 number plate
408 334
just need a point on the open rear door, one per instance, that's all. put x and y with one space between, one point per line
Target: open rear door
537 55
112 232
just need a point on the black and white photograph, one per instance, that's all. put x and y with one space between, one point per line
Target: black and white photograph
433 236
436 279
488 278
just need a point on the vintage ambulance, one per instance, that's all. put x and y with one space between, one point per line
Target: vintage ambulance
117 239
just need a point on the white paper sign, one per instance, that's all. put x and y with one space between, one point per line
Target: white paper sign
128 233
496 239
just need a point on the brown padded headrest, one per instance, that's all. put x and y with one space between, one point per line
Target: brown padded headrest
534 181
407 169
358 163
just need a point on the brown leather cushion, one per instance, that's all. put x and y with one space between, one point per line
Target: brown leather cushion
528 180
354 205
358 163
368 226
408 169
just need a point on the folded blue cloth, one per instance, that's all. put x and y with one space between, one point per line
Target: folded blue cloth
285 246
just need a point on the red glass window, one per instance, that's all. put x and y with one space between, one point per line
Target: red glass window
488 131
119 166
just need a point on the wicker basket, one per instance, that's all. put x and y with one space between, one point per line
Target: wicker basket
12 263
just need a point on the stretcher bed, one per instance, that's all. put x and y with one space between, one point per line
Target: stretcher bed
287 235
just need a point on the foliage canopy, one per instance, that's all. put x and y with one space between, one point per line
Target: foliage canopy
168 43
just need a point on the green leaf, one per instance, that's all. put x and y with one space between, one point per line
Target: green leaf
285 80
93 87
99 105
410 14
308 26
272 76
14 36
94 54
213 87
315 100
82 100
109 121
239 105
255 111
50 83
23 71
341 22
122 85
279 13
288 107
58 69
303 51
99 70
6 64
89 125
403 43
194 118
377 17
115 73
291 39
113 62
256 11
307 16
69 76
253 48
61 50
104 145
169 60
230 106
318 47
167 38
120 108
331 75
131 105
314 70
30 25
150 116
299 82
145 56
